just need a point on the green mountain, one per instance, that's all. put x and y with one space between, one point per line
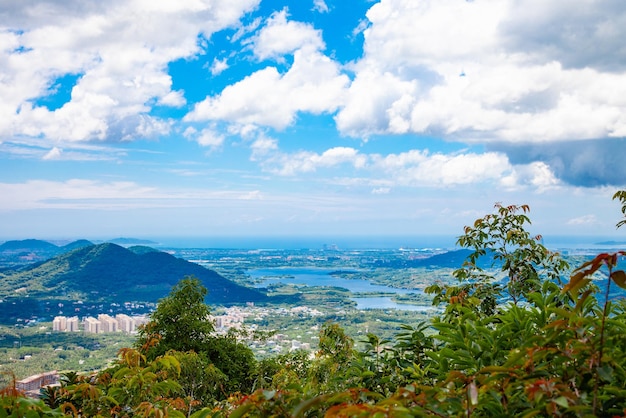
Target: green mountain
111 273
17 253
76 244
27 245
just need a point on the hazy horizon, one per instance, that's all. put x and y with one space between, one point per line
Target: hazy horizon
329 242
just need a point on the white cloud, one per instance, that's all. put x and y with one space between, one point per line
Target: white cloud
267 98
306 161
219 66
491 70
538 175
120 50
413 169
210 138
173 98
281 36
301 162
263 146
320 6
583 220
419 168
99 195
54 154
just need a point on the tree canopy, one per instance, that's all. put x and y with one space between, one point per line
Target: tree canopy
180 322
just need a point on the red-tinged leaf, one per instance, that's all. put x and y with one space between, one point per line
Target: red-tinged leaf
559 323
574 279
619 277
582 299
583 265
577 282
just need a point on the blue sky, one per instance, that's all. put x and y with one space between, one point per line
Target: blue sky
254 118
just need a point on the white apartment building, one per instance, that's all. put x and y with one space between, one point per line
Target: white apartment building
72 324
104 323
125 323
59 323
107 323
92 325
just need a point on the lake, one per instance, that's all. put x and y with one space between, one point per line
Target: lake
311 276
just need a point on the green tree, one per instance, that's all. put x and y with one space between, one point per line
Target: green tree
201 382
499 239
180 321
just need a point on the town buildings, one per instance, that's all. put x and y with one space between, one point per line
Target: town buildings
103 323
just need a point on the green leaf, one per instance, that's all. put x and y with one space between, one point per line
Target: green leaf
203 413
308 404
605 373
241 411
561 401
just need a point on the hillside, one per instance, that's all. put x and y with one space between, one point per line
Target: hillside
17 253
26 245
448 259
108 272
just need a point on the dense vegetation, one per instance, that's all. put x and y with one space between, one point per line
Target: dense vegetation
111 273
525 342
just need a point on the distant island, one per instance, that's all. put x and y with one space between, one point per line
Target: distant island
131 241
611 243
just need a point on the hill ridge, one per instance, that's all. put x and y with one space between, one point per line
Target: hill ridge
109 271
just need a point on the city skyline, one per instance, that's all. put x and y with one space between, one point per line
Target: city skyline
255 118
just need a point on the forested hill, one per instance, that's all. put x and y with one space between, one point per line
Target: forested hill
109 272
450 259
17 253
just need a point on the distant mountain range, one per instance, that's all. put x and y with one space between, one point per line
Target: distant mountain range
22 252
109 272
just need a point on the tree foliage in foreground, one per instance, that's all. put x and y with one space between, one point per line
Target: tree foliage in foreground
529 342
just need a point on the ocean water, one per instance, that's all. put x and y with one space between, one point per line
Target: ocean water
298 242
555 242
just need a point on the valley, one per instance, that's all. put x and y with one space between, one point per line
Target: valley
291 294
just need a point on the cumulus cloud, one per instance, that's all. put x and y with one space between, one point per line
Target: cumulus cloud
210 138
412 169
306 161
281 36
313 83
119 49
218 66
495 71
588 35
420 168
588 163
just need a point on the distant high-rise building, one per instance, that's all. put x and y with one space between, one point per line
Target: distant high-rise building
125 323
92 325
107 323
72 324
59 323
